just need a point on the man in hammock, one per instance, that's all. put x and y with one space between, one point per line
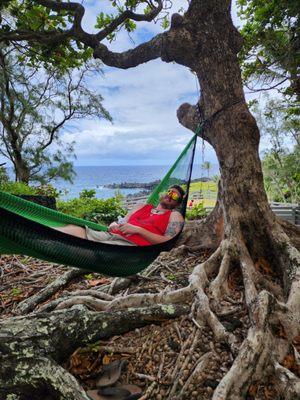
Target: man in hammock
144 225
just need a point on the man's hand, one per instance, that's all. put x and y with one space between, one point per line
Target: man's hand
129 228
113 226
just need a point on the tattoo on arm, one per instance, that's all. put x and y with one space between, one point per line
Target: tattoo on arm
173 228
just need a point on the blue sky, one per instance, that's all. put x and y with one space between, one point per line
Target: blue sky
142 101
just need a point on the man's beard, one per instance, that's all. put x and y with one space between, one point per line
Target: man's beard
166 205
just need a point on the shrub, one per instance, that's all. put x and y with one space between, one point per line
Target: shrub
3 175
19 188
87 194
47 190
92 209
197 212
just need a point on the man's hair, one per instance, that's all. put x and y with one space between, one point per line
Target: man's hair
180 190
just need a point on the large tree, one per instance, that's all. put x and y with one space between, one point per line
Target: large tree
242 228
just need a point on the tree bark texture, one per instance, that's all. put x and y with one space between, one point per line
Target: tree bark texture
32 347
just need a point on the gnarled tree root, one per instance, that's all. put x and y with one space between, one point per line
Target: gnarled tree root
30 304
209 294
32 347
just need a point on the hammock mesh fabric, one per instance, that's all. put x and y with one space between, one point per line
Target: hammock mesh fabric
26 228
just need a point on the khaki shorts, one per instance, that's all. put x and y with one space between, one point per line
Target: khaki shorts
106 237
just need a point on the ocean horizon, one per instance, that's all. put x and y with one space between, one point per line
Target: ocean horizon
97 177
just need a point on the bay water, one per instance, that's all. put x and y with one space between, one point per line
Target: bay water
97 177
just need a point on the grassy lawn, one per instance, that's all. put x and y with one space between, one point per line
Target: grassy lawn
208 190
205 186
209 202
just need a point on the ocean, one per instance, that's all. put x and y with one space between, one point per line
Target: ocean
96 177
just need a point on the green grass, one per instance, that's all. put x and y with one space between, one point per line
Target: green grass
205 186
209 191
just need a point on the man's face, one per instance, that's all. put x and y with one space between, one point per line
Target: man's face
170 199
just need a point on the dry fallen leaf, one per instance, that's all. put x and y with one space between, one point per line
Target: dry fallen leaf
290 363
105 360
270 393
84 364
253 389
262 265
96 282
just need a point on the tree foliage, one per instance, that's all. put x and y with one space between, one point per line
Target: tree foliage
53 29
35 104
271 53
93 209
281 127
242 233
207 167
25 16
282 175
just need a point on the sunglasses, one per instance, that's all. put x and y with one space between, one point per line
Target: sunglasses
173 195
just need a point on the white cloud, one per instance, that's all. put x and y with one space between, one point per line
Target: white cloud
143 105
143 102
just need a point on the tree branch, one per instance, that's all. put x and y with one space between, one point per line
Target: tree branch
131 58
128 14
128 59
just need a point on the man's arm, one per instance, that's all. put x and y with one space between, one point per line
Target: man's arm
115 225
175 225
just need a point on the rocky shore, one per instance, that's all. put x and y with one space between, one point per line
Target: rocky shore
146 186
134 185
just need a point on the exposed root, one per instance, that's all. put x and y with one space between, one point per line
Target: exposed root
40 376
89 301
32 345
287 382
30 304
253 354
99 293
209 296
93 299
292 320
219 285
198 281
248 273
183 295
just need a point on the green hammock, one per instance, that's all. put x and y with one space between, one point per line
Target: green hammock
26 228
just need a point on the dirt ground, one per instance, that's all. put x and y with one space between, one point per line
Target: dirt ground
163 359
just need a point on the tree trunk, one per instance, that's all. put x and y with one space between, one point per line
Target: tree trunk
229 127
22 173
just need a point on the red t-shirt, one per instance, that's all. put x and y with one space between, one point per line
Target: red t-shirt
155 223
